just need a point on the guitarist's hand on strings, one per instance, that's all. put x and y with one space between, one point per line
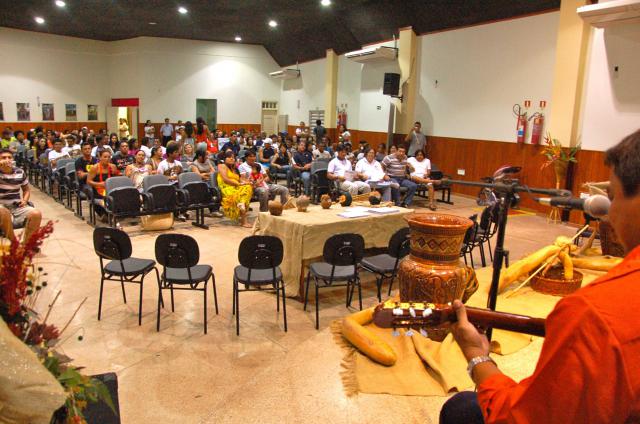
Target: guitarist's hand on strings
471 341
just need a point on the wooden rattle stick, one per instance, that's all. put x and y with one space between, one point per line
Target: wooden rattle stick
544 265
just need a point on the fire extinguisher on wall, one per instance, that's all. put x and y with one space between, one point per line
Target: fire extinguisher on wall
538 123
342 117
522 120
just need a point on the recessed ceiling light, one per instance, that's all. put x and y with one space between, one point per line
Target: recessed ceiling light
39 20
153 23
182 10
273 23
326 2
238 38
60 3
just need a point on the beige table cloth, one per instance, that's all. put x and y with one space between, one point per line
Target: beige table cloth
303 234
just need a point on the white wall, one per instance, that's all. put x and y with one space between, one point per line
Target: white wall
612 99
300 95
481 72
349 84
169 74
56 70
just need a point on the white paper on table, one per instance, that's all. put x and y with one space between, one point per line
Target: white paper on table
383 210
357 209
354 214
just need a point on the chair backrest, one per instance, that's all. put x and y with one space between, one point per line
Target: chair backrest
185 164
116 182
177 251
70 168
153 180
30 154
343 249
111 243
485 217
400 243
436 173
188 177
468 235
62 163
318 165
260 252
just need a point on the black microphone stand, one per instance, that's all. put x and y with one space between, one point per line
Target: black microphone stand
507 193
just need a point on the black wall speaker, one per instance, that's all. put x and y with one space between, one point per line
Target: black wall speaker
391 84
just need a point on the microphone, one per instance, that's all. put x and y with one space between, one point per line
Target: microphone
597 205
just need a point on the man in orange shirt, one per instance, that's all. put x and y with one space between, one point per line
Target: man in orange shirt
589 367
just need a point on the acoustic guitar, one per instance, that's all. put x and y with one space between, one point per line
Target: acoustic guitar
422 316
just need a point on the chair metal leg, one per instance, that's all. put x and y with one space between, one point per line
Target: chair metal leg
237 297
215 293
172 305
317 306
159 291
359 292
124 295
100 301
205 307
490 252
483 260
159 299
140 305
471 258
379 280
277 298
306 291
284 306
233 307
393 277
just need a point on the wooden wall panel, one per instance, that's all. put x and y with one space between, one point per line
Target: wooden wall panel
56 126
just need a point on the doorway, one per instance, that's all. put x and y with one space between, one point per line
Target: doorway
130 113
208 109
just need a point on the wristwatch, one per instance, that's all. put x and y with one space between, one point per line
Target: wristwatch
477 360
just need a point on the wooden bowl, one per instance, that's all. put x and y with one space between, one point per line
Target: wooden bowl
555 284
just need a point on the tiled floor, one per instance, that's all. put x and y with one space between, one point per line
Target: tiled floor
180 375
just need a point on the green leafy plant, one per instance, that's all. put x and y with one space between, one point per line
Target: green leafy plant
554 152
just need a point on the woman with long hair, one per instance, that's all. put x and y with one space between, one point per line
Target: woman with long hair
156 158
202 132
114 142
133 146
236 192
138 170
202 166
189 134
97 177
187 153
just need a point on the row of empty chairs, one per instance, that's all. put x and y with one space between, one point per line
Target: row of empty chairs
259 260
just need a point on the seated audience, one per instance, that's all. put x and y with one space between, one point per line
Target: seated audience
341 170
83 165
96 178
236 192
202 166
363 147
281 161
157 143
15 210
397 168
7 138
156 158
420 174
72 148
56 154
266 153
374 175
302 166
138 170
114 142
187 153
133 146
381 153
321 152
171 167
262 186
122 158
344 134
145 146
302 130
100 146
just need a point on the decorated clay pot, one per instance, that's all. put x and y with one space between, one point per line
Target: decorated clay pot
346 200
433 271
325 201
275 208
302 203
375 198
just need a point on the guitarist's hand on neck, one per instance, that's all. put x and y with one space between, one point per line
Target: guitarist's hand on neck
472 343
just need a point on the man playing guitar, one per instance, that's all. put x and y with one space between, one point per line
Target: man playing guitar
589 369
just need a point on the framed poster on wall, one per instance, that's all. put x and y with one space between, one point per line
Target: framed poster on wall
23 111
47 112
92 112
71 112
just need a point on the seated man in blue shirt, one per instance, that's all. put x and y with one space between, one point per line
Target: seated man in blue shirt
302 164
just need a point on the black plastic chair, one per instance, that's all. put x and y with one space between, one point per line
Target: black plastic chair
342 254
199 196
122 200
320 183
162 195
468 243
68 182
179 255
260 258
385 265
444 187
115 246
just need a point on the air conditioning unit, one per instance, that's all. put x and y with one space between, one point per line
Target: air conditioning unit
604 14
374 54
286 74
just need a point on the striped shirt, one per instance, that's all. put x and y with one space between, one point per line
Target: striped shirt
10 185
395 167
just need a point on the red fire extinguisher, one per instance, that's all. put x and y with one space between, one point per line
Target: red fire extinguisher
522 120
342 118
538 123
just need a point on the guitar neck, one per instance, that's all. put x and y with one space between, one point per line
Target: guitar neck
502 320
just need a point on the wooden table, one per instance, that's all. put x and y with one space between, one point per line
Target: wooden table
303 235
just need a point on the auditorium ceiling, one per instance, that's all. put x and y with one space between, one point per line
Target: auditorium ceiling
305 28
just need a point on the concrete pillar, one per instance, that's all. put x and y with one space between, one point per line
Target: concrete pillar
408 64
330 92
568 80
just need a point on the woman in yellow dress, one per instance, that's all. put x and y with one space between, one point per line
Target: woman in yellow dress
236 192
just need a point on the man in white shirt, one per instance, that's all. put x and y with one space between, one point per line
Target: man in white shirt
166 130
374 175
262 187
56 154
302 130
144 146
340 169
321 152
420 175
170 166
72 148
100 146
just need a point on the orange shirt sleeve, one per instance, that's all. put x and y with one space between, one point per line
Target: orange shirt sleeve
580 376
